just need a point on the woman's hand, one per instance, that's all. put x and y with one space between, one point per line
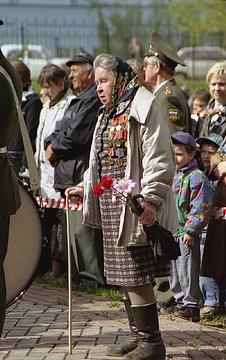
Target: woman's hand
75 193
148 217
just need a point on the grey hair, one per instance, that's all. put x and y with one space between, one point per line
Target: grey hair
155 60
107 62
87 66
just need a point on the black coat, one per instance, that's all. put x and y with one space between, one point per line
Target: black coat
72 139
9 190
31 107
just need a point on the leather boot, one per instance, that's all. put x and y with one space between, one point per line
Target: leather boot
132 341
150 345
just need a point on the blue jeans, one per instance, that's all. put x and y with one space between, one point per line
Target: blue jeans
208 286
184 278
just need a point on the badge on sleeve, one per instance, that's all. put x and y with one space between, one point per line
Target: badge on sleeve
173 114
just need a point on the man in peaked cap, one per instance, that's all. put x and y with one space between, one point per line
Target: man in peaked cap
159 65
9 191
68 149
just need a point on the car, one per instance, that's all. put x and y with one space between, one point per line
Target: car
34 56
199 60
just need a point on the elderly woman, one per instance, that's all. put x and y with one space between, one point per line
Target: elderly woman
130 142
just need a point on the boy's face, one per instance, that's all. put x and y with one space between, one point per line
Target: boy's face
217 87
206 150
182 156
198 106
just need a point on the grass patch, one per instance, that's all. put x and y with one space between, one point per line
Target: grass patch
110 293
46 280
218 321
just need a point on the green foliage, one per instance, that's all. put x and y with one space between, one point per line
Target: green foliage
198 18
36 86
116 31
192 85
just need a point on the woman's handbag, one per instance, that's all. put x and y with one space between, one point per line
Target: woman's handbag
164 245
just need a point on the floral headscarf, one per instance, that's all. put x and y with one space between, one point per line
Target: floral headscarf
125 79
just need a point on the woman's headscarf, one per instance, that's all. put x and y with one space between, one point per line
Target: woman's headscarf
125 79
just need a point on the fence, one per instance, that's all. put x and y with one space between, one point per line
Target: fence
63 38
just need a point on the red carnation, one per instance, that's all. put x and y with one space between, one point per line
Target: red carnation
106 182
98 190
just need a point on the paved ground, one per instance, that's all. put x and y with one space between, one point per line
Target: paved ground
36 328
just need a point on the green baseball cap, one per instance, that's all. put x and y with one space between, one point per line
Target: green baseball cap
211 138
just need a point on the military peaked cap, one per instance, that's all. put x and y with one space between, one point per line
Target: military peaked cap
161 49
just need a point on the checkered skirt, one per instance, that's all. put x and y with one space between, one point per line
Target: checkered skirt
123 266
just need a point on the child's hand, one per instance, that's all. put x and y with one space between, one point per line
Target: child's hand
188 239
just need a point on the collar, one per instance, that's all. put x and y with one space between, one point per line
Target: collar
162 85
189 167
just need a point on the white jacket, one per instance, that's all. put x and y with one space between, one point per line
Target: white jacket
49 116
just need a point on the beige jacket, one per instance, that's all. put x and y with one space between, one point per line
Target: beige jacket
150 163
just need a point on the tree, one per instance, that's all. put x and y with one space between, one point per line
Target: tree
198 18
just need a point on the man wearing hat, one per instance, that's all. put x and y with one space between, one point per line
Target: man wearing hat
68 150
9 191
159 65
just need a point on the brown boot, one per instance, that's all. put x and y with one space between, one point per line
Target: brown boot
150 345
132 341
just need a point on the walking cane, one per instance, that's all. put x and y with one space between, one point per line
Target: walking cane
69 278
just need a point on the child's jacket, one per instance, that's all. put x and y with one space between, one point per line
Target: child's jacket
193 197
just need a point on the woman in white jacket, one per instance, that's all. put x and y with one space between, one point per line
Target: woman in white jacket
55 81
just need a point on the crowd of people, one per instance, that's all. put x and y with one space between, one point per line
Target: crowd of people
104 120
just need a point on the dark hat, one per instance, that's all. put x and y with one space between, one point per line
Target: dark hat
211 138
1 22
83 57
161 49
184 138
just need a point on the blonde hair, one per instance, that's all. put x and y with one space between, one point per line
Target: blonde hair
217 69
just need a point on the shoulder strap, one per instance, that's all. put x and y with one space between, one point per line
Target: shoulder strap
33 171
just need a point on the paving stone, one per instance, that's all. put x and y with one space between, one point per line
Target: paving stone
36 328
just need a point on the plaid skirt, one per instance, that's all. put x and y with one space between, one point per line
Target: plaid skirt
124 266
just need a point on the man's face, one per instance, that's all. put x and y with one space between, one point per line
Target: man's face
80 77
150 73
